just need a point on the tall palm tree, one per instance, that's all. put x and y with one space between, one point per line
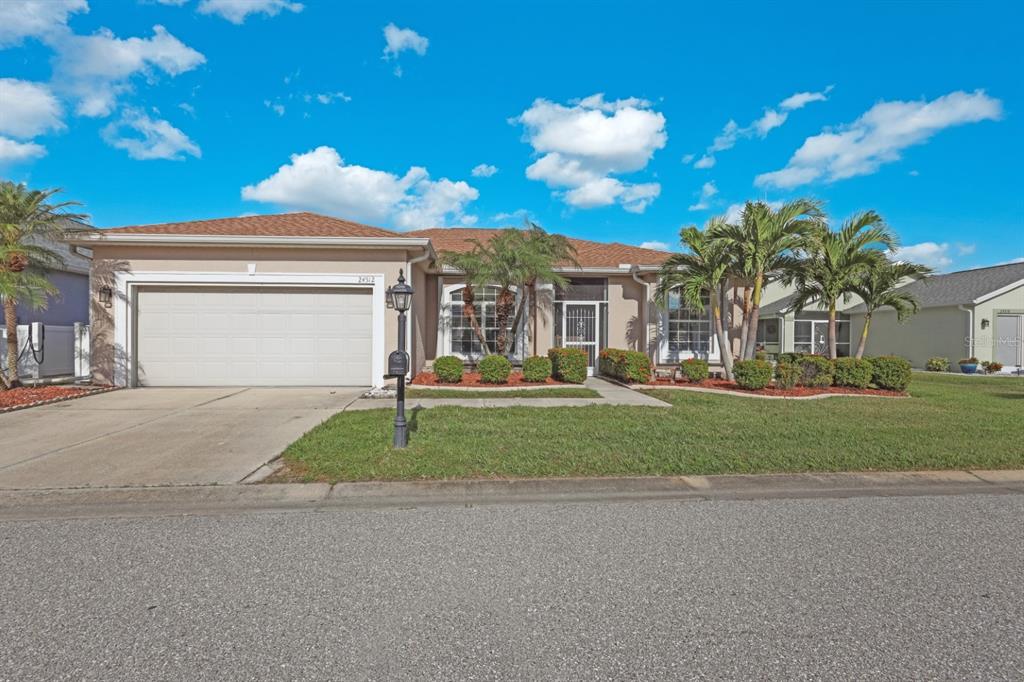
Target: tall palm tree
504 265
471 265
835 261
28 223
763 245
542 252
879 287
702 270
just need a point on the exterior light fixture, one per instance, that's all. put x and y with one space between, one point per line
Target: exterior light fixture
984 324
399 297
106 296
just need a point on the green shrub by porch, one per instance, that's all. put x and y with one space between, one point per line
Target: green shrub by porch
448 369
536 369
937 365
752 374
694 369
816 371
494 369
853 372
629 366
891 372
787 374
569 364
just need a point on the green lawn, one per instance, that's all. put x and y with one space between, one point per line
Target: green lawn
557 392
948 422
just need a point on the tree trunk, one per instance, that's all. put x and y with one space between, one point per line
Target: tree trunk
11 324
469 311
532 294
723 339
503 309
864 336
519 314
745 323
755 314
832 351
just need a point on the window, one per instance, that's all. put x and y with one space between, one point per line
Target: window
464 339
689 330
583 289
768 332
811 336
581 294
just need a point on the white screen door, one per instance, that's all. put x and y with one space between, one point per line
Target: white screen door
579 330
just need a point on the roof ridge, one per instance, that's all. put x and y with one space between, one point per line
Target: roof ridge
983 267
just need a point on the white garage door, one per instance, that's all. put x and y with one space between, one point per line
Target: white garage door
204 336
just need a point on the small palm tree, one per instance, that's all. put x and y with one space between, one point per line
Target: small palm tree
879 287
471 264
28 222
504 259
835 261
763 245
702 270
541 253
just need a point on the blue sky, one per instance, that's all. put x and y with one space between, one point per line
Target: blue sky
599 120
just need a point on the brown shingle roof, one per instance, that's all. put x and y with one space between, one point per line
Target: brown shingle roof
281 225
589 254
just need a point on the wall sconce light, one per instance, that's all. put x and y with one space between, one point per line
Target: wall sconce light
106 296
984 323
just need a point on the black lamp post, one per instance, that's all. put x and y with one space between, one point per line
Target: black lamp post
400 298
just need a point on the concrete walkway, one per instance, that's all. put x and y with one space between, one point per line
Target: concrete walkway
611 394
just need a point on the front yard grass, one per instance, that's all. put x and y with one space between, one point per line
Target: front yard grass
558 392
948 422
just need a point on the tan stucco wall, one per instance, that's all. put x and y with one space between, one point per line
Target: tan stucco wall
110 259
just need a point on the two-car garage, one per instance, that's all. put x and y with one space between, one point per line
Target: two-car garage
253 336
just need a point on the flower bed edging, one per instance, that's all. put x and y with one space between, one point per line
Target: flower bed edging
50 401
754 394
427 380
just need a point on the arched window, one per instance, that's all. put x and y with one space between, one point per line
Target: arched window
462 338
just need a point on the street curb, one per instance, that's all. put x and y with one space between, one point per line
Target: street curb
187 500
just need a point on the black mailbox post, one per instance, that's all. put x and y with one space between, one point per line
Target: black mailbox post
400 298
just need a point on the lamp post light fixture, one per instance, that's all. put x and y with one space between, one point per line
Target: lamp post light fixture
106 295
399 297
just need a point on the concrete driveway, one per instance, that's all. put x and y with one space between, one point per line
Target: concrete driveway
158 436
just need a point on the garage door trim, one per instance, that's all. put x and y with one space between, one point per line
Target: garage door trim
127 284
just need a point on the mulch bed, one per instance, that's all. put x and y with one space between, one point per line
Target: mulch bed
30 396
795 392
472 380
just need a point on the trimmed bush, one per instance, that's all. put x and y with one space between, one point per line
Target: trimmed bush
992 367
752 374
494 369
536 369
569 364
937 364
792 358
891 372
817 371
787 374
694 369
629 366
853 372
448 369
761 355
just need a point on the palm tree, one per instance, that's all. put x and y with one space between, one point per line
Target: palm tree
504 265
879 287
702 270
763 245
28 222
471 264
835 261
541 253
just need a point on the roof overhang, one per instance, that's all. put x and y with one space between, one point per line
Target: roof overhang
96 238
998 292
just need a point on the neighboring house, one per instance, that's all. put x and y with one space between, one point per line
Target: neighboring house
60 353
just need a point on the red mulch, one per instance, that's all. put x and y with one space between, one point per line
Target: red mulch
795 392
472 380
27 395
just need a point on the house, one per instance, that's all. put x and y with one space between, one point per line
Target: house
299 299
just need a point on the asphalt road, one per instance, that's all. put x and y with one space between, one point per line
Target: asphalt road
882 588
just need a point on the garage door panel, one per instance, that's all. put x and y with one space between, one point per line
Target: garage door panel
233 336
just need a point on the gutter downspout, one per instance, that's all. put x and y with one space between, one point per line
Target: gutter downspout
970 329
644 310
408 321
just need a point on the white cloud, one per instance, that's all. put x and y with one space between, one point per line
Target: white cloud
20 19
276 107
519 215
321 180
657 246
95 69
688 158
29 109
12 151
927 253
964 249
914 173
878 137
236 11
327 97
706 192
398 40
583 145
145 138
188 109
484 170
735 211
769 121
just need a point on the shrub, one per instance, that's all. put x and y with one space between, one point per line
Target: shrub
448 369
761 355
991 367
536 369
629 366
891 372
694 369
787 374
968 361
937 364
569 364
853 372
792 358
816 371
752 374
494 369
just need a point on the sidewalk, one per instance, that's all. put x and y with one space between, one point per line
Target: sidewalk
171 500
611 394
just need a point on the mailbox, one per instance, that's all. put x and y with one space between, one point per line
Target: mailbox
398 363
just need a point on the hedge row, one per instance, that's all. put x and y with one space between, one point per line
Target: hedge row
887 372
629 366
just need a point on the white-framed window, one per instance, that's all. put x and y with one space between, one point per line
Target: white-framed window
688 330
460 337
811 336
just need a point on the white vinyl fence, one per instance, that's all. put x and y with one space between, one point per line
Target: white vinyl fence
64 351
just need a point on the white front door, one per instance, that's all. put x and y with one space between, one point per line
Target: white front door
1009 349
580 329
